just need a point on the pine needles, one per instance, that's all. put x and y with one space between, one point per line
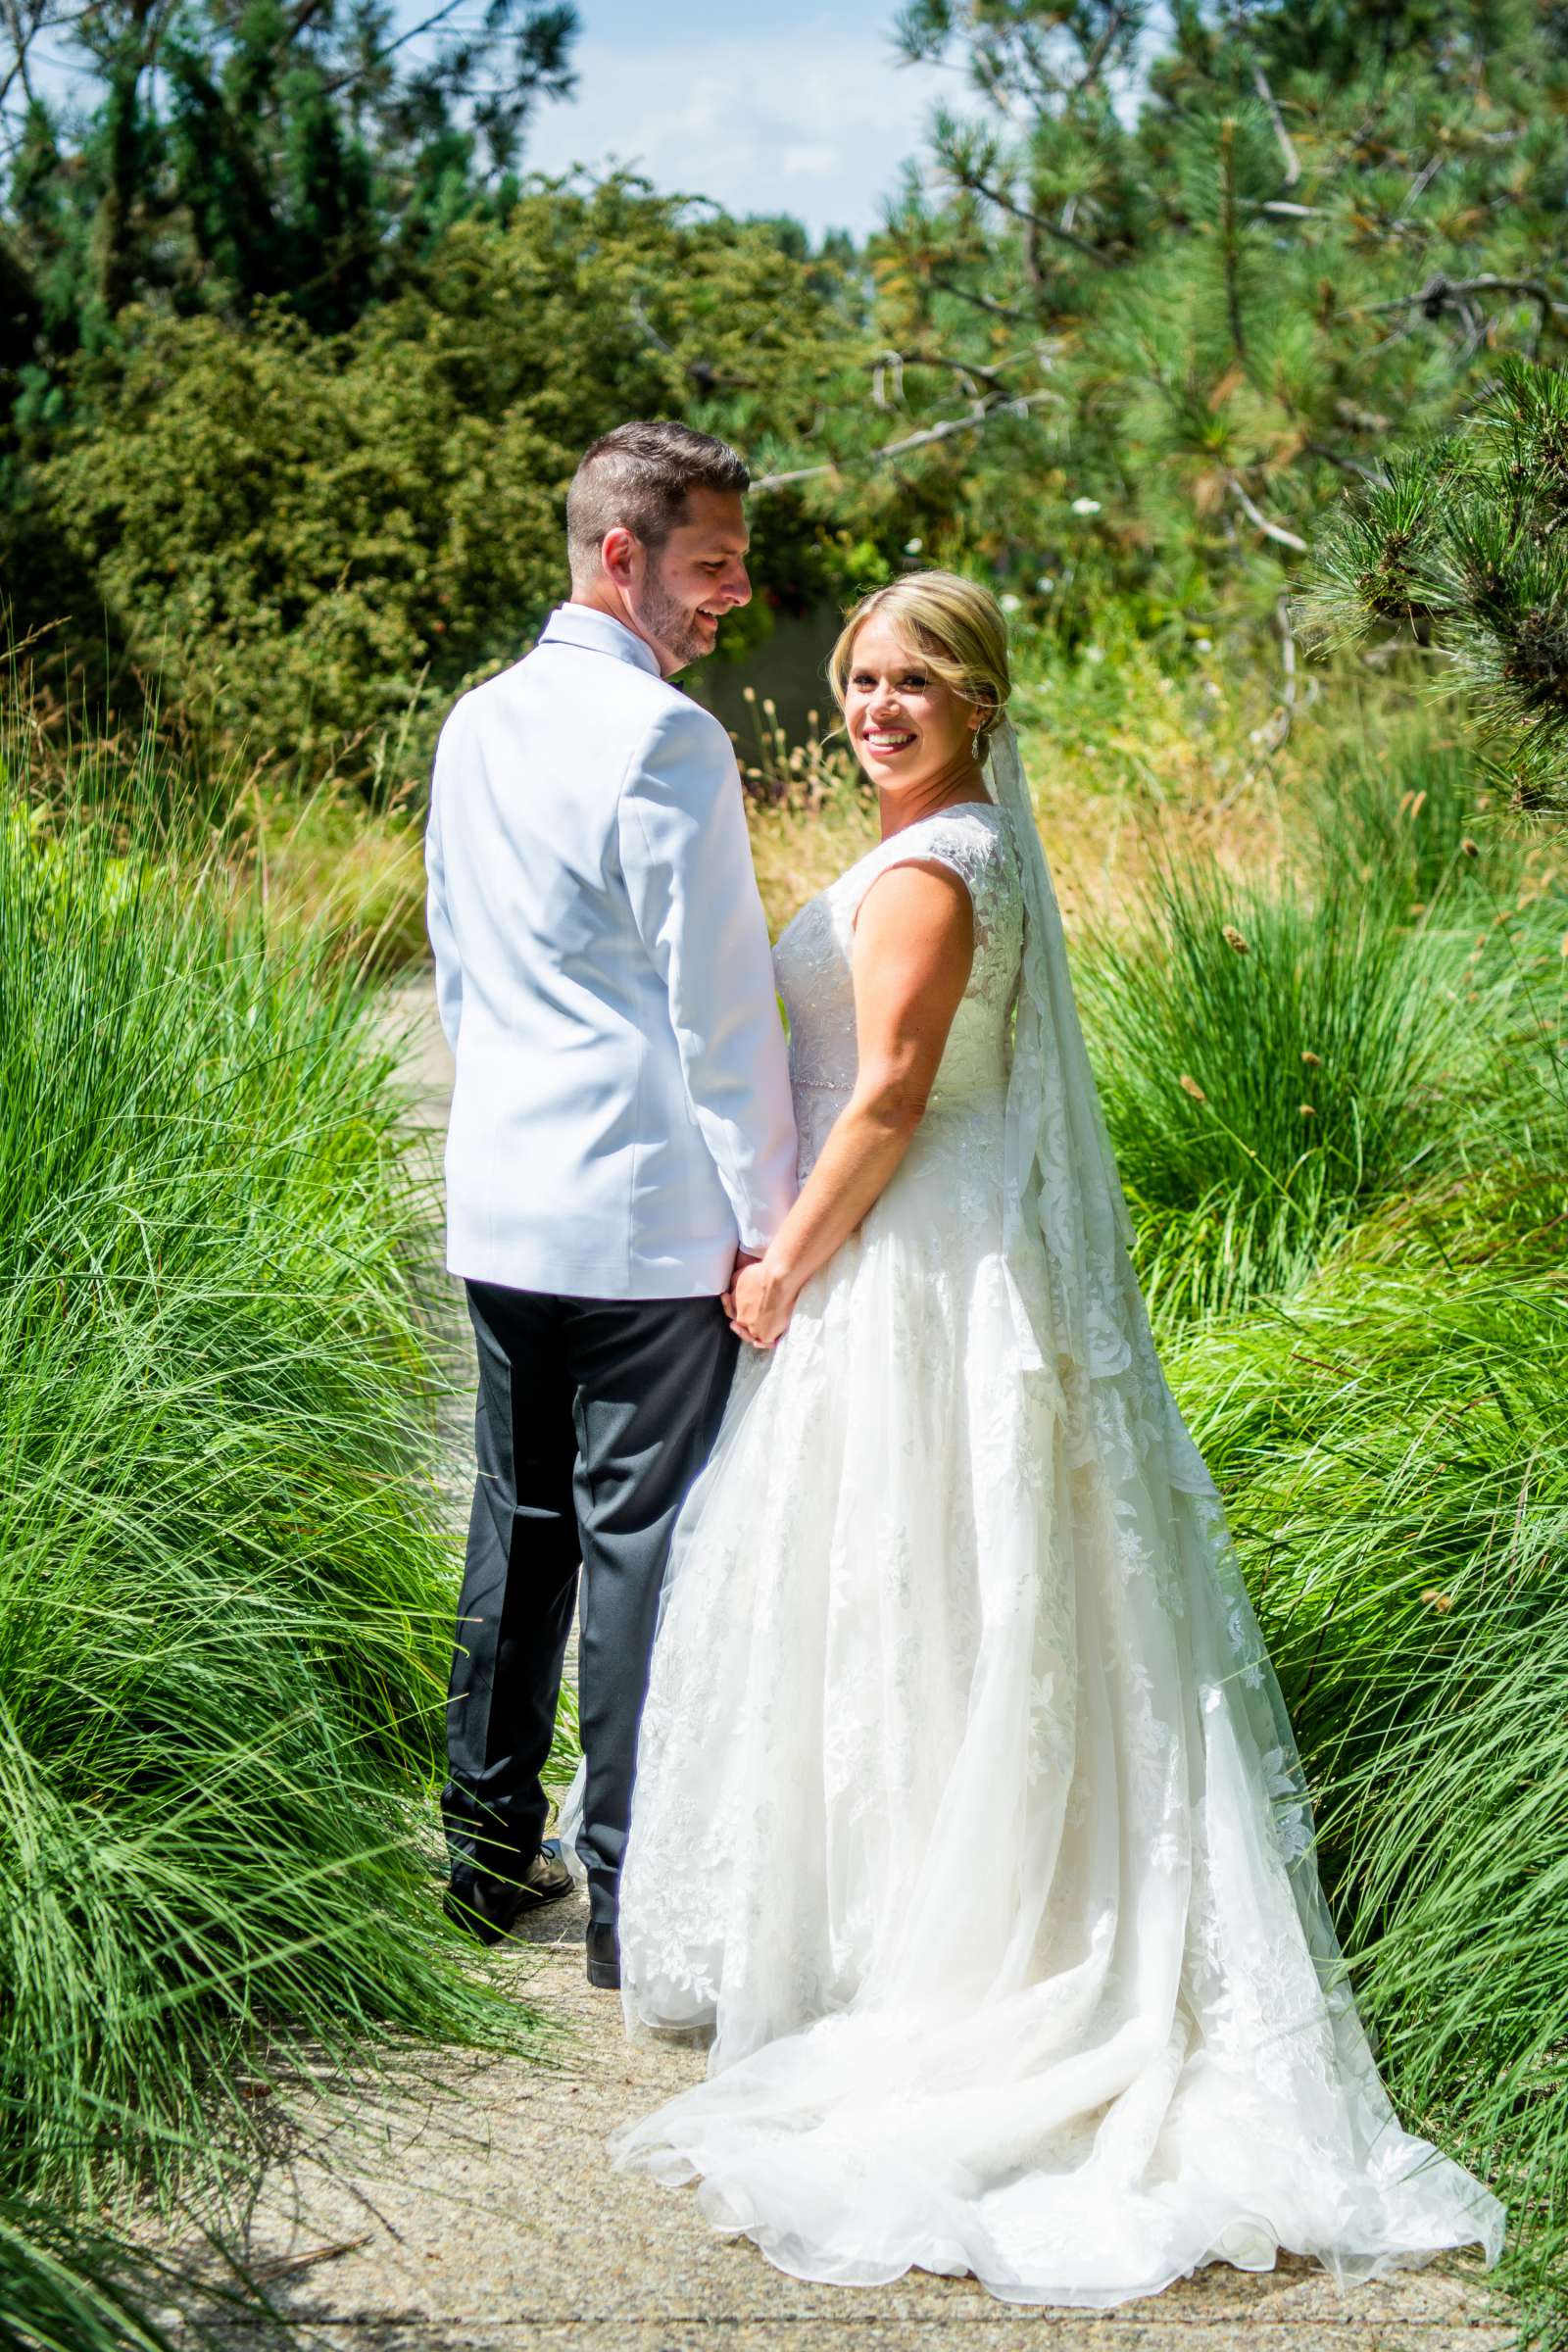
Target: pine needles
1461 544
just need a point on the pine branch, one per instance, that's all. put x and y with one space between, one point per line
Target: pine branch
1230 240
1459 545
300 18
1292 162
1037 221
1254 514
971 372
1101 50
1419 186
981 415
377 57
980 302
1441 293
22 34
1335 457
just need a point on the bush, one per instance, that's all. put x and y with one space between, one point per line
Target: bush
311 536
294 531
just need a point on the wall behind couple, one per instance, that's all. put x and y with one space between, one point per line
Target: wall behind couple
787 669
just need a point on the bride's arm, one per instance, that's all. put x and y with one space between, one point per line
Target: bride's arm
914 947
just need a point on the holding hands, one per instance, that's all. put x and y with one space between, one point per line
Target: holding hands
758 1302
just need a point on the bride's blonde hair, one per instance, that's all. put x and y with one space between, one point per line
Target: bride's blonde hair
957 629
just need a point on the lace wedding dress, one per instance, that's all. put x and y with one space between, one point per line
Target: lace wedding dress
968 1820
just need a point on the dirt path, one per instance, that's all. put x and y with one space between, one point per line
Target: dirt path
479 2210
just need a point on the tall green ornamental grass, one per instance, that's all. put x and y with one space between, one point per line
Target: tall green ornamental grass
1413 821
67 2285
225 1601
1278 1060
1365 1322
1261 1055
1394 1457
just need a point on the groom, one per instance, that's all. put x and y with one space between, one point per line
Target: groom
621 1136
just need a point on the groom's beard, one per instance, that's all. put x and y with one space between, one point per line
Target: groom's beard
671 623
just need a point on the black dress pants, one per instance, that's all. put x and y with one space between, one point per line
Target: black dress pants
594 1417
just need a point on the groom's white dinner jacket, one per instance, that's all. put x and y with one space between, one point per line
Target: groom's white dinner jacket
621 1116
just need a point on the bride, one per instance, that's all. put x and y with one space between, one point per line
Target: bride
969 1822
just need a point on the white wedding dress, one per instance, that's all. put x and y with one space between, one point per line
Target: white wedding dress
968 1820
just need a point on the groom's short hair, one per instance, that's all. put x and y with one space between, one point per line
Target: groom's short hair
639 476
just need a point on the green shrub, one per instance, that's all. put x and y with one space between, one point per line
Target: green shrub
311 537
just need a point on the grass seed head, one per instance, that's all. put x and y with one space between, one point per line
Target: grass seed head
1234 939
1190 1086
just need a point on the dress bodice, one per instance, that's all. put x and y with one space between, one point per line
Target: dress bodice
812 965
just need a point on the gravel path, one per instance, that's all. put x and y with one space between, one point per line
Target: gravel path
478 2210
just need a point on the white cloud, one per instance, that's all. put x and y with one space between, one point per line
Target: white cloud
806 116
807 163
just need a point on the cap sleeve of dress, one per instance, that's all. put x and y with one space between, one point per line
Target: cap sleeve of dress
971 847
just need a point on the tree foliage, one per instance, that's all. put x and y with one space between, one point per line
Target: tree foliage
229 151
298 364
1223 288
1460 547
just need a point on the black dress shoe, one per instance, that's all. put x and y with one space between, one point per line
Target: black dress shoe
489 1907
603 1958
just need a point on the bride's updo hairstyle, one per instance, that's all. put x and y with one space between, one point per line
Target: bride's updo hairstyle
958 629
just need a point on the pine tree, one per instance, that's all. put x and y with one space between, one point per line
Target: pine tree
224 154
1166 289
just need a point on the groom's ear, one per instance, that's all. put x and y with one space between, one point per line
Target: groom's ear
617 552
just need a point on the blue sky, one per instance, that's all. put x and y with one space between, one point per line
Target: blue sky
764 106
